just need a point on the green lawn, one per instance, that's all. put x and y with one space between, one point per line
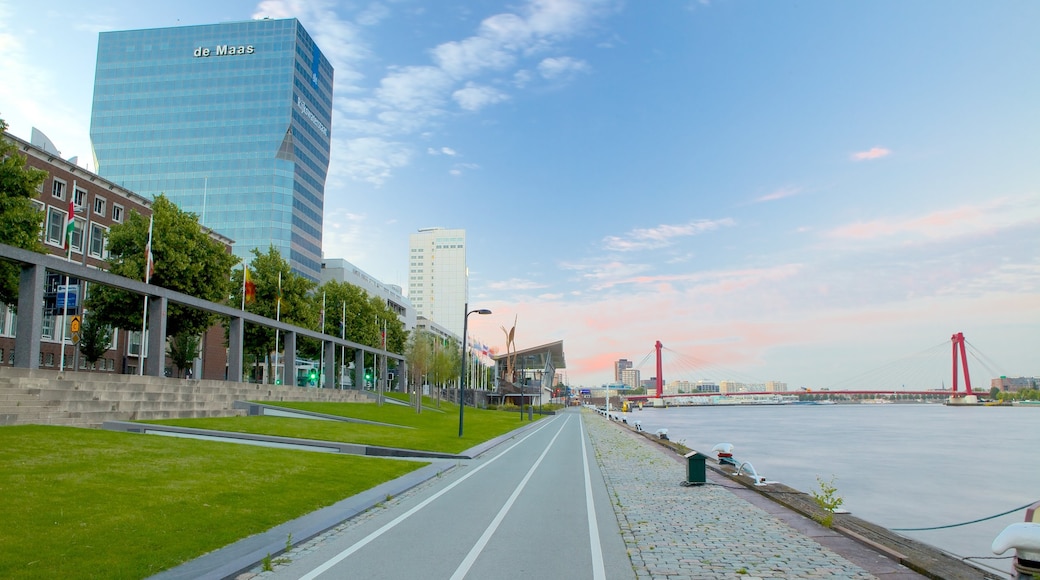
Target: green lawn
85 503
431 430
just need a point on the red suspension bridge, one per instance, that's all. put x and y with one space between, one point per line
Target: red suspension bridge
892 374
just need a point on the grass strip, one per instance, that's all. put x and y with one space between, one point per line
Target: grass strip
431 431
85 503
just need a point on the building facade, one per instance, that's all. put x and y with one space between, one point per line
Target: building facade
231 121
98 205
620 366
1014 384
630 377
438 279
343 271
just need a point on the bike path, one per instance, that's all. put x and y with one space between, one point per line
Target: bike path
533 507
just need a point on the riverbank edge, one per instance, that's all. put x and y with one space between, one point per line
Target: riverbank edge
920 557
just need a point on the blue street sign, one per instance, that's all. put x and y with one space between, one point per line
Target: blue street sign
72 291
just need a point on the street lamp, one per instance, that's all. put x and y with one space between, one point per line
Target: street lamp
462 377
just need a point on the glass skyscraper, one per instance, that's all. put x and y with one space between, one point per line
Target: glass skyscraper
231 121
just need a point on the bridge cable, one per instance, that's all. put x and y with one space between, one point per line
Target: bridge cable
964 523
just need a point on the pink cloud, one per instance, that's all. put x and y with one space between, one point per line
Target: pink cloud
872 153
742 332
941 224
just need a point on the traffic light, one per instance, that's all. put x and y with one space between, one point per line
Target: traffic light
312 377
368 374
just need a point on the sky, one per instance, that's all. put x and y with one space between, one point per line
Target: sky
793 191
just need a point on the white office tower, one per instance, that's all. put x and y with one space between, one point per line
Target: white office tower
438 280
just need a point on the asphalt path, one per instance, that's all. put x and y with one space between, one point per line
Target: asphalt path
533 507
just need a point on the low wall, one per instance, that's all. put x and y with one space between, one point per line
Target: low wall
89 399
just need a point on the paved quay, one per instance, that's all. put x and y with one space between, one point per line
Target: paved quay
573 496
717 530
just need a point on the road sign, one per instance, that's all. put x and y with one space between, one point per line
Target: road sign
71 292
74 324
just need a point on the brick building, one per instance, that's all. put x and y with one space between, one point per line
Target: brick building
99 204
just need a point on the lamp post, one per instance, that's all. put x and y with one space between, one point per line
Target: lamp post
462 376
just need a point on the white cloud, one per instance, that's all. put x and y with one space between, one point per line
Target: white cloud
374 14
474 97
555 68
472 56
442 151
521 78
411 99
459 168
414 88
368 159
661 236
515 284
779 194
341 40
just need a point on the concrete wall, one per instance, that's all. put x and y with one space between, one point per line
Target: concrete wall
45 397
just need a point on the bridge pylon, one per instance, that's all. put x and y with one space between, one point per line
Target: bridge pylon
959 352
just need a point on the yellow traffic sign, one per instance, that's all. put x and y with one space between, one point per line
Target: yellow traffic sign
75 323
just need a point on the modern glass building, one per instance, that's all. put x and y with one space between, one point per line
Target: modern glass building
231 121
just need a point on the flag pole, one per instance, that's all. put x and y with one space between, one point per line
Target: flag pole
383 377
69 228
147 278
342 348
277 318
321 356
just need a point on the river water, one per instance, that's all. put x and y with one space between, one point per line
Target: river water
896 465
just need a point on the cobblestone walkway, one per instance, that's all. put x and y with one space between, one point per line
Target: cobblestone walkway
677 532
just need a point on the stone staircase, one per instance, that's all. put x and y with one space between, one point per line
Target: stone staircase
84 399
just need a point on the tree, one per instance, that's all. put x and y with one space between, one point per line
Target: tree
183 349
419 356
94 339
20 222
365 317
186 260
297 307
447 362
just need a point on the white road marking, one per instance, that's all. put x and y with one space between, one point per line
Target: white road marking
391 525
470 558
599 571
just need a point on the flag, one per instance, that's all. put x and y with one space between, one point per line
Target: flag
248 286
279 291
71 225
149 261
322 327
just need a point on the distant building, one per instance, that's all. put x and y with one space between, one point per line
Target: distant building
707 387
1014 384
440 332
619 366
730 387
231 121
438 279
343 271
630 377
776 386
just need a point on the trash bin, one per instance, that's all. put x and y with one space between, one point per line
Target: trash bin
695 470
